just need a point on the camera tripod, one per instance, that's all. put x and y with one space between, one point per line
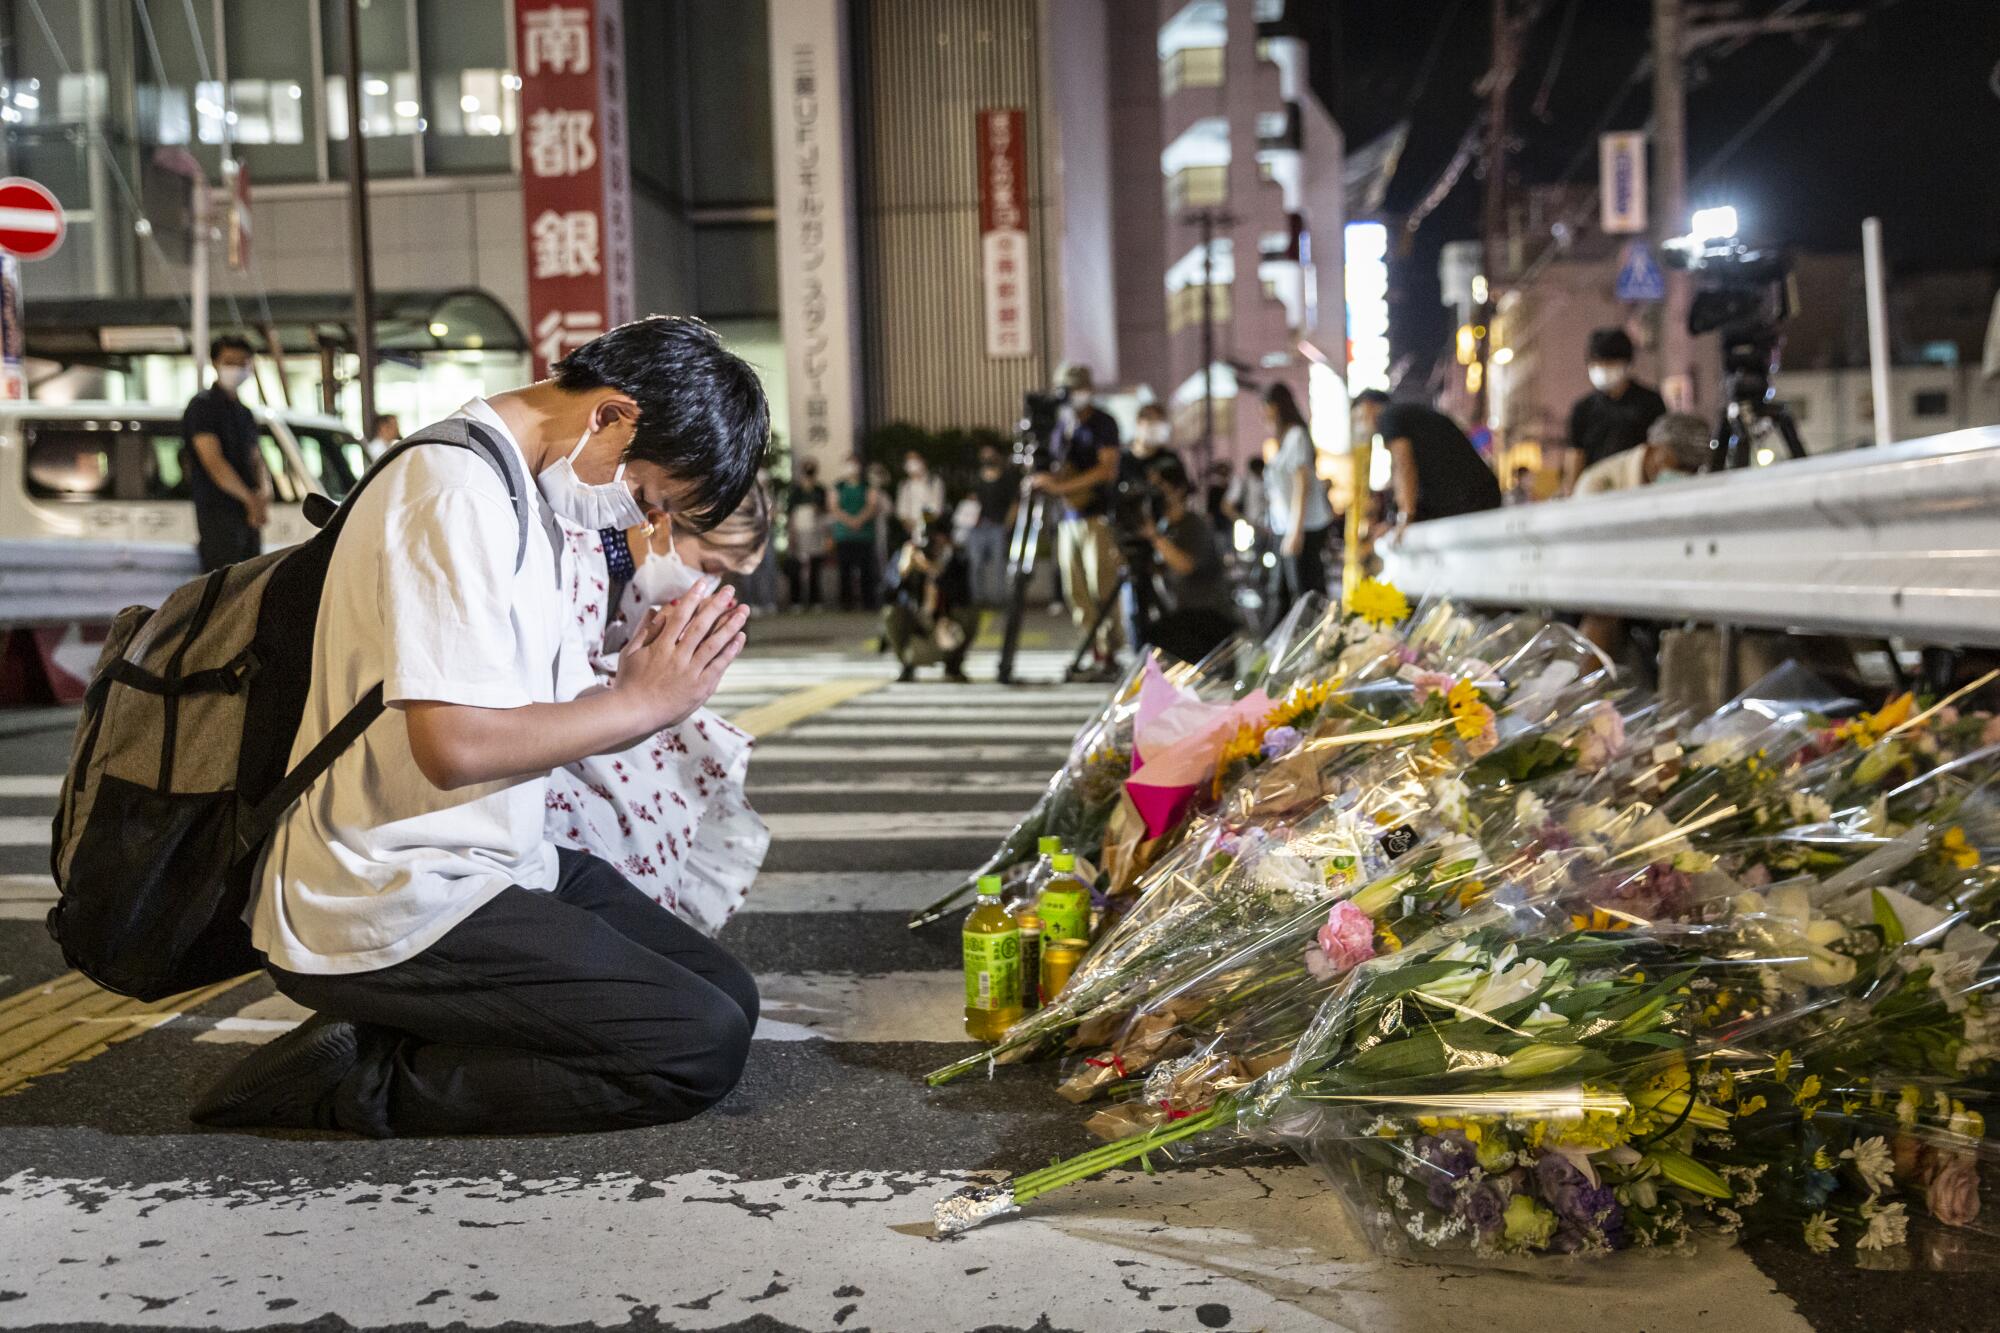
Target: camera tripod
1749 355
1024 543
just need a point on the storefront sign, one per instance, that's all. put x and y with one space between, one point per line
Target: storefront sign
1622 165
815 225
1003 229
575 183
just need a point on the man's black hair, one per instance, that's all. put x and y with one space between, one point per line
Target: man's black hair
1169 469
1372 396
229 342
1610 345
702 413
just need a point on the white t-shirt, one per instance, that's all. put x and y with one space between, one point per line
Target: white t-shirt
374 864
1295 455
1621 472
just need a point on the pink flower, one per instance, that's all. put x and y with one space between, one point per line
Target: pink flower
1990 734
1428 683
1348 937
1954 1191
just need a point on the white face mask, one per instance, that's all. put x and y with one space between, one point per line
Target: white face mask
1155 433
661 579
1080 399
1606 379
231 377
597 506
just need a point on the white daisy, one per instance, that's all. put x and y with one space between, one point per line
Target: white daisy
1874 1164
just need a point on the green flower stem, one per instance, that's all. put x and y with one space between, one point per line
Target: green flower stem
1099 1160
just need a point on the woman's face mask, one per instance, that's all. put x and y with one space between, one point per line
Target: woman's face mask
664 578
593 505
1608 378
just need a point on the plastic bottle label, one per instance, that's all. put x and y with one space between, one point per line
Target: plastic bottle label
1065 913
992 969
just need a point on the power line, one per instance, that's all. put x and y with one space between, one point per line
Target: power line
1563 33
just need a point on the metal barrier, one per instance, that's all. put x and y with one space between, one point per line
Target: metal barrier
60 582
1902 541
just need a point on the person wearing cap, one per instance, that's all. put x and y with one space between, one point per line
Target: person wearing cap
1615 415
1676 446
1083 468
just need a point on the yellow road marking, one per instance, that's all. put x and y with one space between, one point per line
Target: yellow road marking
48 1028
799 705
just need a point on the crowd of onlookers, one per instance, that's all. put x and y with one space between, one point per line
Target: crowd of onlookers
1143 547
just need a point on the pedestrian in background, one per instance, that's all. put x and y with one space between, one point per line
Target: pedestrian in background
807 537
388 430
1434 470
857 514
919 495
886 536
930 616
1083 471
997 493
1198 612
224 467
1301 514
1615 415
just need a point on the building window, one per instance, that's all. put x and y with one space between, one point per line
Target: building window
391 114
469 90
1931 402
1184 306
270 109
1194 67
1198 187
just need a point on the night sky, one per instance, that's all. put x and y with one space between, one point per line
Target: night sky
1901 122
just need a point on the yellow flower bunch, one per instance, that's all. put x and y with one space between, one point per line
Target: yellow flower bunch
1380 604
1593 1131
1599 919
1469 711
1872 727
1387 940
1303 699
1957 851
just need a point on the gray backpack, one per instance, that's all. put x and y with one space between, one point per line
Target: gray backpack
179 771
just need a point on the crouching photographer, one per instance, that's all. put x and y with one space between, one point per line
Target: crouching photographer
1195 612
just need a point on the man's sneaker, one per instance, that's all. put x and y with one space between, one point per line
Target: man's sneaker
288 1084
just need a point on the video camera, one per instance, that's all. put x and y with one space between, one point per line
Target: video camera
1746 295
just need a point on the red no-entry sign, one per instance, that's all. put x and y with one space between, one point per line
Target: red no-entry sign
31 221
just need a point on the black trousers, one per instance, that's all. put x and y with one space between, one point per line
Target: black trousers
226 537
1302 573
860 575
586 1008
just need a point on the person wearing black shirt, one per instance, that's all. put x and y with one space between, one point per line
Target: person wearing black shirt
226 474
930 616
1083 473
997 493
1436 471
1199 612
1617 412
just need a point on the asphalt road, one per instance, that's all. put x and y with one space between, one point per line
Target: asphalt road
803 1201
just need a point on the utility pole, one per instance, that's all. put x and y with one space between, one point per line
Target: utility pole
1493 210
357 224
1670 215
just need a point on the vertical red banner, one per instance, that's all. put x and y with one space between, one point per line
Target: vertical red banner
575 178
1003 230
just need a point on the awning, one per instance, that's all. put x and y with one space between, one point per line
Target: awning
100 330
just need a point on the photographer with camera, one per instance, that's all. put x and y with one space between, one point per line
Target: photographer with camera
1082 471
1617 412
1198 613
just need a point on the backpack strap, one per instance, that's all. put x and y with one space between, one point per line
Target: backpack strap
262 819
463 433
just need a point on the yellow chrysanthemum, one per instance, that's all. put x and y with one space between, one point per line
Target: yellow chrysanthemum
1380 604
1599 919
1872 727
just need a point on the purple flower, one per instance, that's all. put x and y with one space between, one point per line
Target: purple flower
1450 1152
1279 740
1484 1207
1565 1188
1440 1192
